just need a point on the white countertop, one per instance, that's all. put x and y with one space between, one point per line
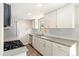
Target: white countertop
56 39
62 35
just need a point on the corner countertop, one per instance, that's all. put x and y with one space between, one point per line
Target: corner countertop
56 39
62 36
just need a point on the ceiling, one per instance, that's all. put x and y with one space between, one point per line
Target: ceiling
32 10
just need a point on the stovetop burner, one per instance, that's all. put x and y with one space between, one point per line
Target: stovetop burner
12 45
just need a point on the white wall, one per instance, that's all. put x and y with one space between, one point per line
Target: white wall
18 28
24 28
50 19
1 29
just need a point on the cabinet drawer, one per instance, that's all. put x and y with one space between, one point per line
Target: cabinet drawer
62 47
59 52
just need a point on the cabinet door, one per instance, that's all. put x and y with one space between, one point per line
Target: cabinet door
48 48
60 50
37 44
78 49
65 17
45 47
68 16
41 45
34 42
59 18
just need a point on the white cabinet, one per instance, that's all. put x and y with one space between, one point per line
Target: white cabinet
43 46
38 44
34 41
77 16
59 18
78 49
48 48
60 50
69 16
66 17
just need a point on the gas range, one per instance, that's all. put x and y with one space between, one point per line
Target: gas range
12 45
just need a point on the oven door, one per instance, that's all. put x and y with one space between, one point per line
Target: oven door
22 51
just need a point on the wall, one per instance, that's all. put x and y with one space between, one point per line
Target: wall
18 28
1 29
50 19
24 27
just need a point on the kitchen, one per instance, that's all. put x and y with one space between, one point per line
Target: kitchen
51 29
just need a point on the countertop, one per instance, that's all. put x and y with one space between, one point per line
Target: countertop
55 39
63 36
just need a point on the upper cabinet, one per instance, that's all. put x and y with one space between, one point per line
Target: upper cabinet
59 18
66 17
77 16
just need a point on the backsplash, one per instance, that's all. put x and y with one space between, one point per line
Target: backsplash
60 31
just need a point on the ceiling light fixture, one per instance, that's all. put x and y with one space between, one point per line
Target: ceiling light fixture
29 14
39 5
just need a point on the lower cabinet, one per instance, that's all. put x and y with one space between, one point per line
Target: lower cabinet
78 49
43 46
48 48
60 50
34 41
